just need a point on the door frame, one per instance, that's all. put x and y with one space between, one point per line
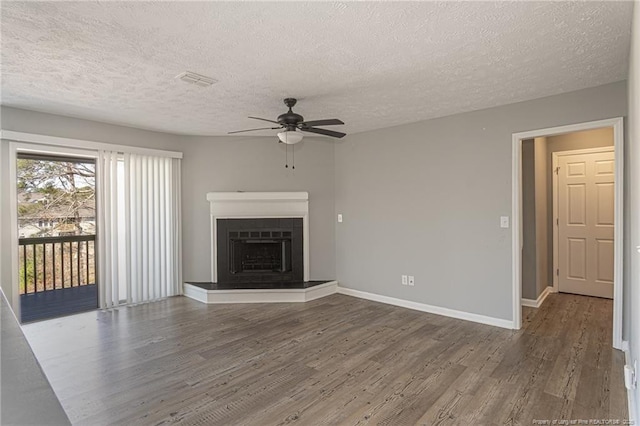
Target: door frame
14 149
516 213
554 196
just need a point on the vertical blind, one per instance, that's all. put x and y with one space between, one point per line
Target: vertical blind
139 242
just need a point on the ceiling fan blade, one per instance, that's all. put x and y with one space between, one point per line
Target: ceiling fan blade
323 132
329 122
264 119
251 130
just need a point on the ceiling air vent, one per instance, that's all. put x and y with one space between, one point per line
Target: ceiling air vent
197 79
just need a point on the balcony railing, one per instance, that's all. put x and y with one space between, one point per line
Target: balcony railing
52 263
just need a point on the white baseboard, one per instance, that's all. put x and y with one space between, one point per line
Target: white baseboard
631 393
539 301
260 295
467 316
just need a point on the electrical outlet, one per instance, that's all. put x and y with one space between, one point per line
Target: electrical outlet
411 280
404 280
339 217
504 221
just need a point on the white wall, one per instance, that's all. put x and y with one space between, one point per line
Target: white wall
633 155
425 199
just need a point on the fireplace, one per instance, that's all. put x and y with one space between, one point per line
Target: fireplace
259 250
251 214
259 255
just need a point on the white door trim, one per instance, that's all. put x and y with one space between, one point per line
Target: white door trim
516 212
554 197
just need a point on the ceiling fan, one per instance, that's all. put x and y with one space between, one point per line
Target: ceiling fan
293 124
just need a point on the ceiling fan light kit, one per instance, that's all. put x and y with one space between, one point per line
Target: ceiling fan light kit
290 137
293 124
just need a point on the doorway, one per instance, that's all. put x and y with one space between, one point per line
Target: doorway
56 212
583 209
609 245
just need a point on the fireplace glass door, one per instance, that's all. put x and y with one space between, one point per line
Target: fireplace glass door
260 255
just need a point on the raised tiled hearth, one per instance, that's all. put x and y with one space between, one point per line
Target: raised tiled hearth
259 250
299 291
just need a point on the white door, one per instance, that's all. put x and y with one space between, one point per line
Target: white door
585 223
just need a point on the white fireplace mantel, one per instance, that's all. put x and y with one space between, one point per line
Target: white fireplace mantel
249 205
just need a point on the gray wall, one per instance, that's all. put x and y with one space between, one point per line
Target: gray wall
541 166
256 164
632 289
425 199
209 164
5 226
534 217
422 199
529 257
23 381
56 125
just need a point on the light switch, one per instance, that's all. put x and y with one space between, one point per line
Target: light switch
504 221
339 218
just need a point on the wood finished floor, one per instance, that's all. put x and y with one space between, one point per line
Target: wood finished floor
336 360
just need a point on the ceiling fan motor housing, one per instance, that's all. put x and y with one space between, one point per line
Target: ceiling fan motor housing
292 123
290 119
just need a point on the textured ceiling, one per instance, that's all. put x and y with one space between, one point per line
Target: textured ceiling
371 64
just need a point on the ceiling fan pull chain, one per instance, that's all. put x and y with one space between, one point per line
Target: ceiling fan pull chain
293 153
286 156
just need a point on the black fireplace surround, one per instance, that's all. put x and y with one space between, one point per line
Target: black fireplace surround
259 250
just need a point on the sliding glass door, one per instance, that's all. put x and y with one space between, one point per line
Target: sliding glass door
56 201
